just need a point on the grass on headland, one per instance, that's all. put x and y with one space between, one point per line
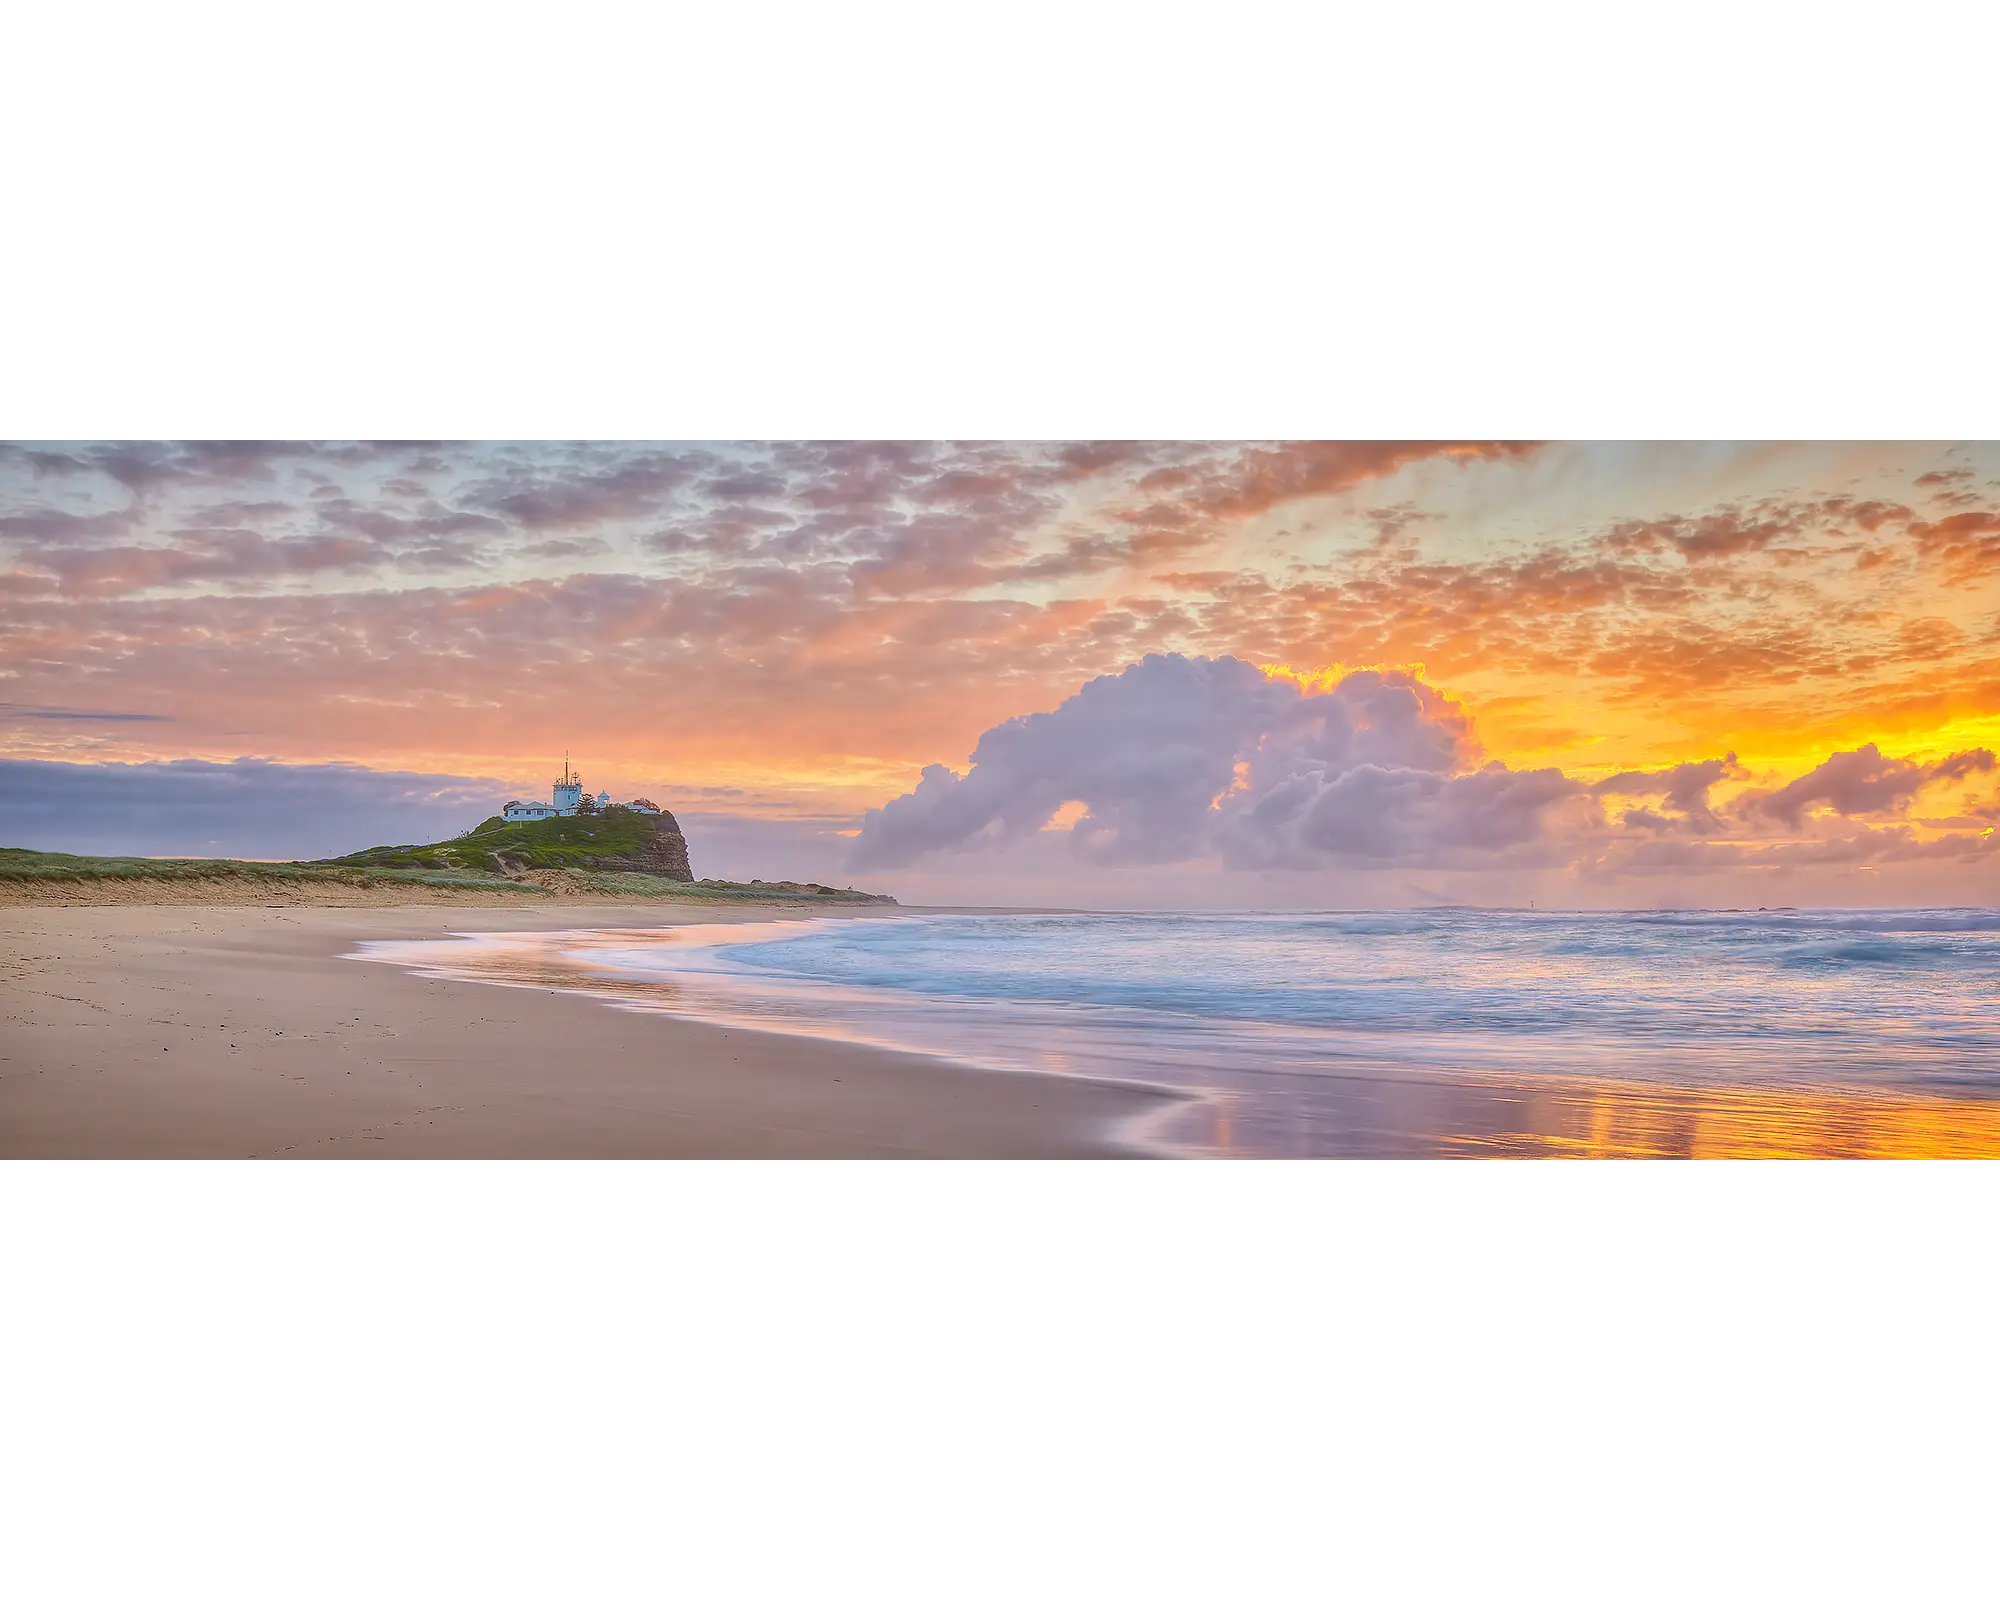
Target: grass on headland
581 842
49 866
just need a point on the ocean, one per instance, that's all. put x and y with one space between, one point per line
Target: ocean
1405 1033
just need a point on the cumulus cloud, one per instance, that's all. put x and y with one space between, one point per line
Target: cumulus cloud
1208 759
1147 750
1684 791
1178 758
1370 816
1864 782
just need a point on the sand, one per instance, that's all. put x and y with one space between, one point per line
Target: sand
206 1030
50 892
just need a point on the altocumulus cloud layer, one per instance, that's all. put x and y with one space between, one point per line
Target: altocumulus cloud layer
1177 759
847 610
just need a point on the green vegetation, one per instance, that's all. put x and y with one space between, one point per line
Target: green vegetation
580 843
48 866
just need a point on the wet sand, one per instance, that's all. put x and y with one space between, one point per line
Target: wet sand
209 1031
1354 1109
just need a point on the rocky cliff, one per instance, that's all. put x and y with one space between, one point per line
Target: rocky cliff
665 855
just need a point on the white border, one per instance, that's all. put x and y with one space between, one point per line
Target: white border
886 220
997 1379
879 220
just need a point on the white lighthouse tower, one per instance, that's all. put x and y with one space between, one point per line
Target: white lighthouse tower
569 793
567 801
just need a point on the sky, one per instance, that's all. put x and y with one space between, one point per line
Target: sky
1118 674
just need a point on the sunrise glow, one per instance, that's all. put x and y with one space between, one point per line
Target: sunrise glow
788 635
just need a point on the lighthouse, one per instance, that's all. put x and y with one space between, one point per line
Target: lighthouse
569 793
566 801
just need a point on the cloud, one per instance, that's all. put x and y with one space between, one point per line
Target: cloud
1371 816
1864 782
1179 758
249 808
1950 488
1728 532
12 711
1685 788
1967 546
215 557
145 466
1248 480
1721 534
1148 751
1750 863
593 485
1209 760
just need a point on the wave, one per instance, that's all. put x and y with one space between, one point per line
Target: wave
1715 983
1261 1012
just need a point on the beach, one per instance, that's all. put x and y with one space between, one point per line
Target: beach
209 1030
218 1031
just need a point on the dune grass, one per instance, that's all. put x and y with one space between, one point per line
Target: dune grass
49 866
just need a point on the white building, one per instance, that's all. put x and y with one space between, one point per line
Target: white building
566 801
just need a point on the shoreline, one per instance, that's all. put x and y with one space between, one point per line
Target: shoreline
1354 1108
216 1031
536 888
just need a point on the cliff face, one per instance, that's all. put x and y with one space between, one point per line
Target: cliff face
665 855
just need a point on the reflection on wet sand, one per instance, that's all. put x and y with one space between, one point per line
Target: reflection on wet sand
1632 1120
1318 1110
1392 1113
